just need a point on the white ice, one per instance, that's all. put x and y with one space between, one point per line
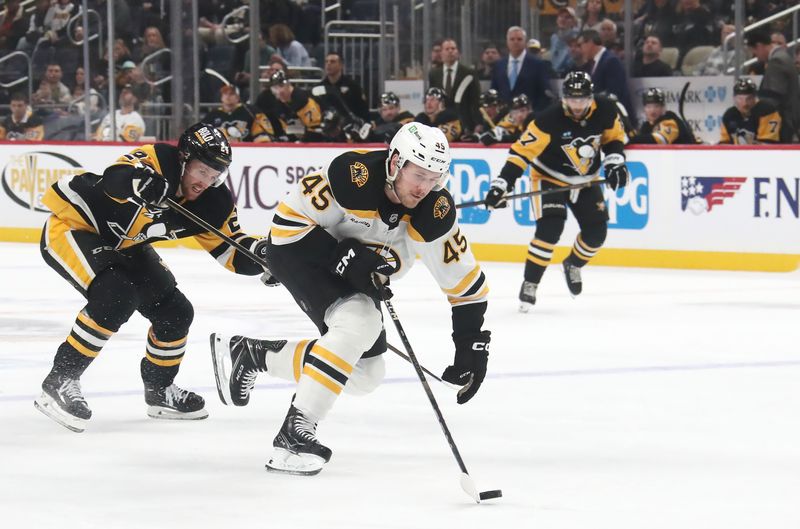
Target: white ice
657 399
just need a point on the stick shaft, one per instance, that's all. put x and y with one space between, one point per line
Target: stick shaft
533 193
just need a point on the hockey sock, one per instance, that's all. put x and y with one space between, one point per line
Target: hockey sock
157 375
287 363
84 343
587 244
540 250
165 353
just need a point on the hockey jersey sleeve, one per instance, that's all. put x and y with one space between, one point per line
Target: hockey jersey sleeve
769 127
227 255
613 138
117 178
523 151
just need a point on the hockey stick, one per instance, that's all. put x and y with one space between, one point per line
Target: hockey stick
466 481
405 357
533 193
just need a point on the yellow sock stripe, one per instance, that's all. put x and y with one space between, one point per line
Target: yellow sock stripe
542 244
89 322
585 246
159 343
80 347
331 358
297 362
163 363
312 372
536 260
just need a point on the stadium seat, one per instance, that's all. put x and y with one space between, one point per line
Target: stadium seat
694 57
670 56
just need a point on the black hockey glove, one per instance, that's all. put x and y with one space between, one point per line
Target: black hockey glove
469 367
361 267
496 197
616 171
259 248
149 187
488 138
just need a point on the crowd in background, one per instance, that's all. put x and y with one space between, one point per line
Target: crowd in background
671 37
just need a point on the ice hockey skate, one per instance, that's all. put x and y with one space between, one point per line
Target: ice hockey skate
296 448
527 296
237 362
572 274
62 401
172 402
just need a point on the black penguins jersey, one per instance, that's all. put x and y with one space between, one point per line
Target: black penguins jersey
300 118
241 124
563 150
669 129
447 121
102 205
508 130
348 200
29 129
763 125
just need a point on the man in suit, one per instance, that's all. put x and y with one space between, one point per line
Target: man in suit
519 73
779 85
605 68
459 82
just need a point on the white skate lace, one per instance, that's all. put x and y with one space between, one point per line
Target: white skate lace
71 388
175 395
305 428
574 273
248 382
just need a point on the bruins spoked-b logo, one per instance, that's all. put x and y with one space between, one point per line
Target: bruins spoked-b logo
27 176
581 152
359 174
441 208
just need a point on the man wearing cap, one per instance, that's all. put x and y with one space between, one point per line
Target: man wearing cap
459 82
239 122
129 123
566 24
517 73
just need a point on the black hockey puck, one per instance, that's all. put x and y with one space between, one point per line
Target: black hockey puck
491 494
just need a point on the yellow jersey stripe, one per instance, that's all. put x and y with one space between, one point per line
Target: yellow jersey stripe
465 282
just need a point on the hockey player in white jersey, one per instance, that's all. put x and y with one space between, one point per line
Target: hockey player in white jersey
334 238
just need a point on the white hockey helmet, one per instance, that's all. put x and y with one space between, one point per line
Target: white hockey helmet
421 145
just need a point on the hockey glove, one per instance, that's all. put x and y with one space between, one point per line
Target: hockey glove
149 187
616 171
259 248
488 138
496 197
362 268
469 367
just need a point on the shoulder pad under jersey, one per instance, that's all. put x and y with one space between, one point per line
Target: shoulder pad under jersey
434 216
357 179
214 205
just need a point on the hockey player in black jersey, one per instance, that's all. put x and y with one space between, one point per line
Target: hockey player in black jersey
367 215
294 113
237 121
98 239
491 110
437 115
662 126
565 145
512 125
389 119
21 124
749 121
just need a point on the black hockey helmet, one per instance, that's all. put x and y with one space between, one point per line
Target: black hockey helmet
577 84
489 97
520 101
745 86
390 99
654 96
278 78
207 144
438 93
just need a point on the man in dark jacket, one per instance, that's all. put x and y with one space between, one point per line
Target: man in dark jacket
342 92
519 73
459 82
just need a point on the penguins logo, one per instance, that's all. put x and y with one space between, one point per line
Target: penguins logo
441 208
359 174
581 152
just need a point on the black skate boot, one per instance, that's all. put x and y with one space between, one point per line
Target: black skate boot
296 449
237 362
527 296
572 274
62 401
172 402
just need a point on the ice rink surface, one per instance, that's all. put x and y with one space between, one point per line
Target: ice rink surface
657 399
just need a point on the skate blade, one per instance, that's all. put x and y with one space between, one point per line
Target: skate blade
48 406
284 462
159 412
219 352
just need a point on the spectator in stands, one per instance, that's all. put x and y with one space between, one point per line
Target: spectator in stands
489 56
566 29
649 64
797 58
342 92
36 28
594 12
656 18
717 61
779 85
576 55
266 100
290 50
778 39
56 19
13 25
21 124
436 114
78 91
694 26
608 33
51 90
295 115
152 41
460 84
265 52
608 74
237 121
749 121
129 123
436 54
517 73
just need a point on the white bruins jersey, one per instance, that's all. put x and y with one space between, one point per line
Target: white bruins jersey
130 127
347 199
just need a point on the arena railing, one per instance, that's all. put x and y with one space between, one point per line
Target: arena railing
28 78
